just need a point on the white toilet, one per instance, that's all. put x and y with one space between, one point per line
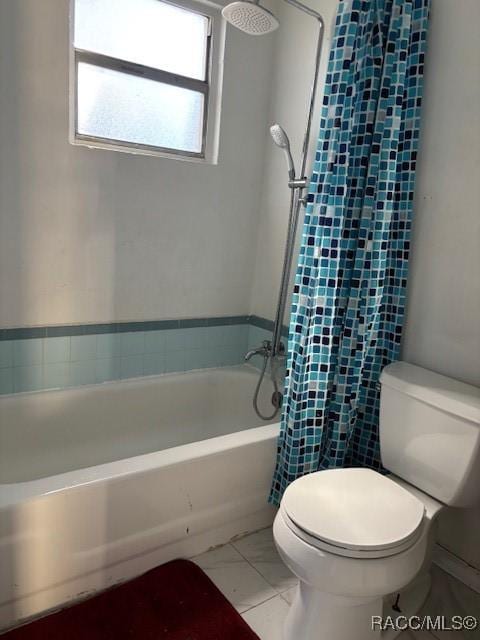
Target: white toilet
359 541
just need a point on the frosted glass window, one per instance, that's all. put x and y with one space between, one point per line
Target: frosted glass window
126 108
143 70
148 32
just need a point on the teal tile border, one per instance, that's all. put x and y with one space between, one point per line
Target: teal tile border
56 331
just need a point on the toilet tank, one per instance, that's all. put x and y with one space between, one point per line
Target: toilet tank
430 432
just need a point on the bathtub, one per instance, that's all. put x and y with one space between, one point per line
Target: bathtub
101 483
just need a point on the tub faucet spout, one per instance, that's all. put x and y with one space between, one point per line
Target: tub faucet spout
264 350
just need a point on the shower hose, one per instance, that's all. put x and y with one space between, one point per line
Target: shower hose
276 397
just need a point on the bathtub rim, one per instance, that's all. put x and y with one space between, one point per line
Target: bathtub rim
18 492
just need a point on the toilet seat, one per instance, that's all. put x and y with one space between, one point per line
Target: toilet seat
357 513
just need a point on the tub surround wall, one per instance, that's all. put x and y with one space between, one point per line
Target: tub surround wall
32 359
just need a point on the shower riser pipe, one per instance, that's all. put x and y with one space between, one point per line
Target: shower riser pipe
296 199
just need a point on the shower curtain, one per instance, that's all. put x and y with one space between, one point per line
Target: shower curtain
349 294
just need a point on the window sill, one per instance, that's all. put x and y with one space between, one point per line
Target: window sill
140 151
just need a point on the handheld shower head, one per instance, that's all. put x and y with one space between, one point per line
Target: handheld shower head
280 138
249 16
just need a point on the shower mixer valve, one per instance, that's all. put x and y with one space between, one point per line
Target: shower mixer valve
266 351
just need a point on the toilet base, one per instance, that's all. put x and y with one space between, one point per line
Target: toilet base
412 598
315 615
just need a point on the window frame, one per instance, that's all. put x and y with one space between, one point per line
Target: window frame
210 87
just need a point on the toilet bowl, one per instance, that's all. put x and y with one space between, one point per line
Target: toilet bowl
359 541
351 551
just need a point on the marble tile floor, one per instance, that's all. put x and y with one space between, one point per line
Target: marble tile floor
250 573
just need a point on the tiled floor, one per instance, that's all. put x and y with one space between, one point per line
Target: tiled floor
251 575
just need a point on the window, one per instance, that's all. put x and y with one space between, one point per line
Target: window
145 76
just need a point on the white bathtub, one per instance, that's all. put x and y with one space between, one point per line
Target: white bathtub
100 483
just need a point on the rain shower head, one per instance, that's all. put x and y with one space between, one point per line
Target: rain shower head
281 140
250 17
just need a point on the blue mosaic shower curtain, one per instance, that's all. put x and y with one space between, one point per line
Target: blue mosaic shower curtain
349 294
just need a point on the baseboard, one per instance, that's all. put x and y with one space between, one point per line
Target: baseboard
456 567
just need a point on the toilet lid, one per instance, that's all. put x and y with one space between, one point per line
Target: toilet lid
356 509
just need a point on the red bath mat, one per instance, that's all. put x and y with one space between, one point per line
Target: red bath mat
176 601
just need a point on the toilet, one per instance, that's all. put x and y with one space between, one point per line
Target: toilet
359 541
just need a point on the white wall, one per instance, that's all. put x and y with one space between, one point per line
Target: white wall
442 330
294 53
99 236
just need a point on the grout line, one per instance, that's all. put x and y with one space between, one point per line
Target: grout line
278 592
282 595
231 544
277 595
